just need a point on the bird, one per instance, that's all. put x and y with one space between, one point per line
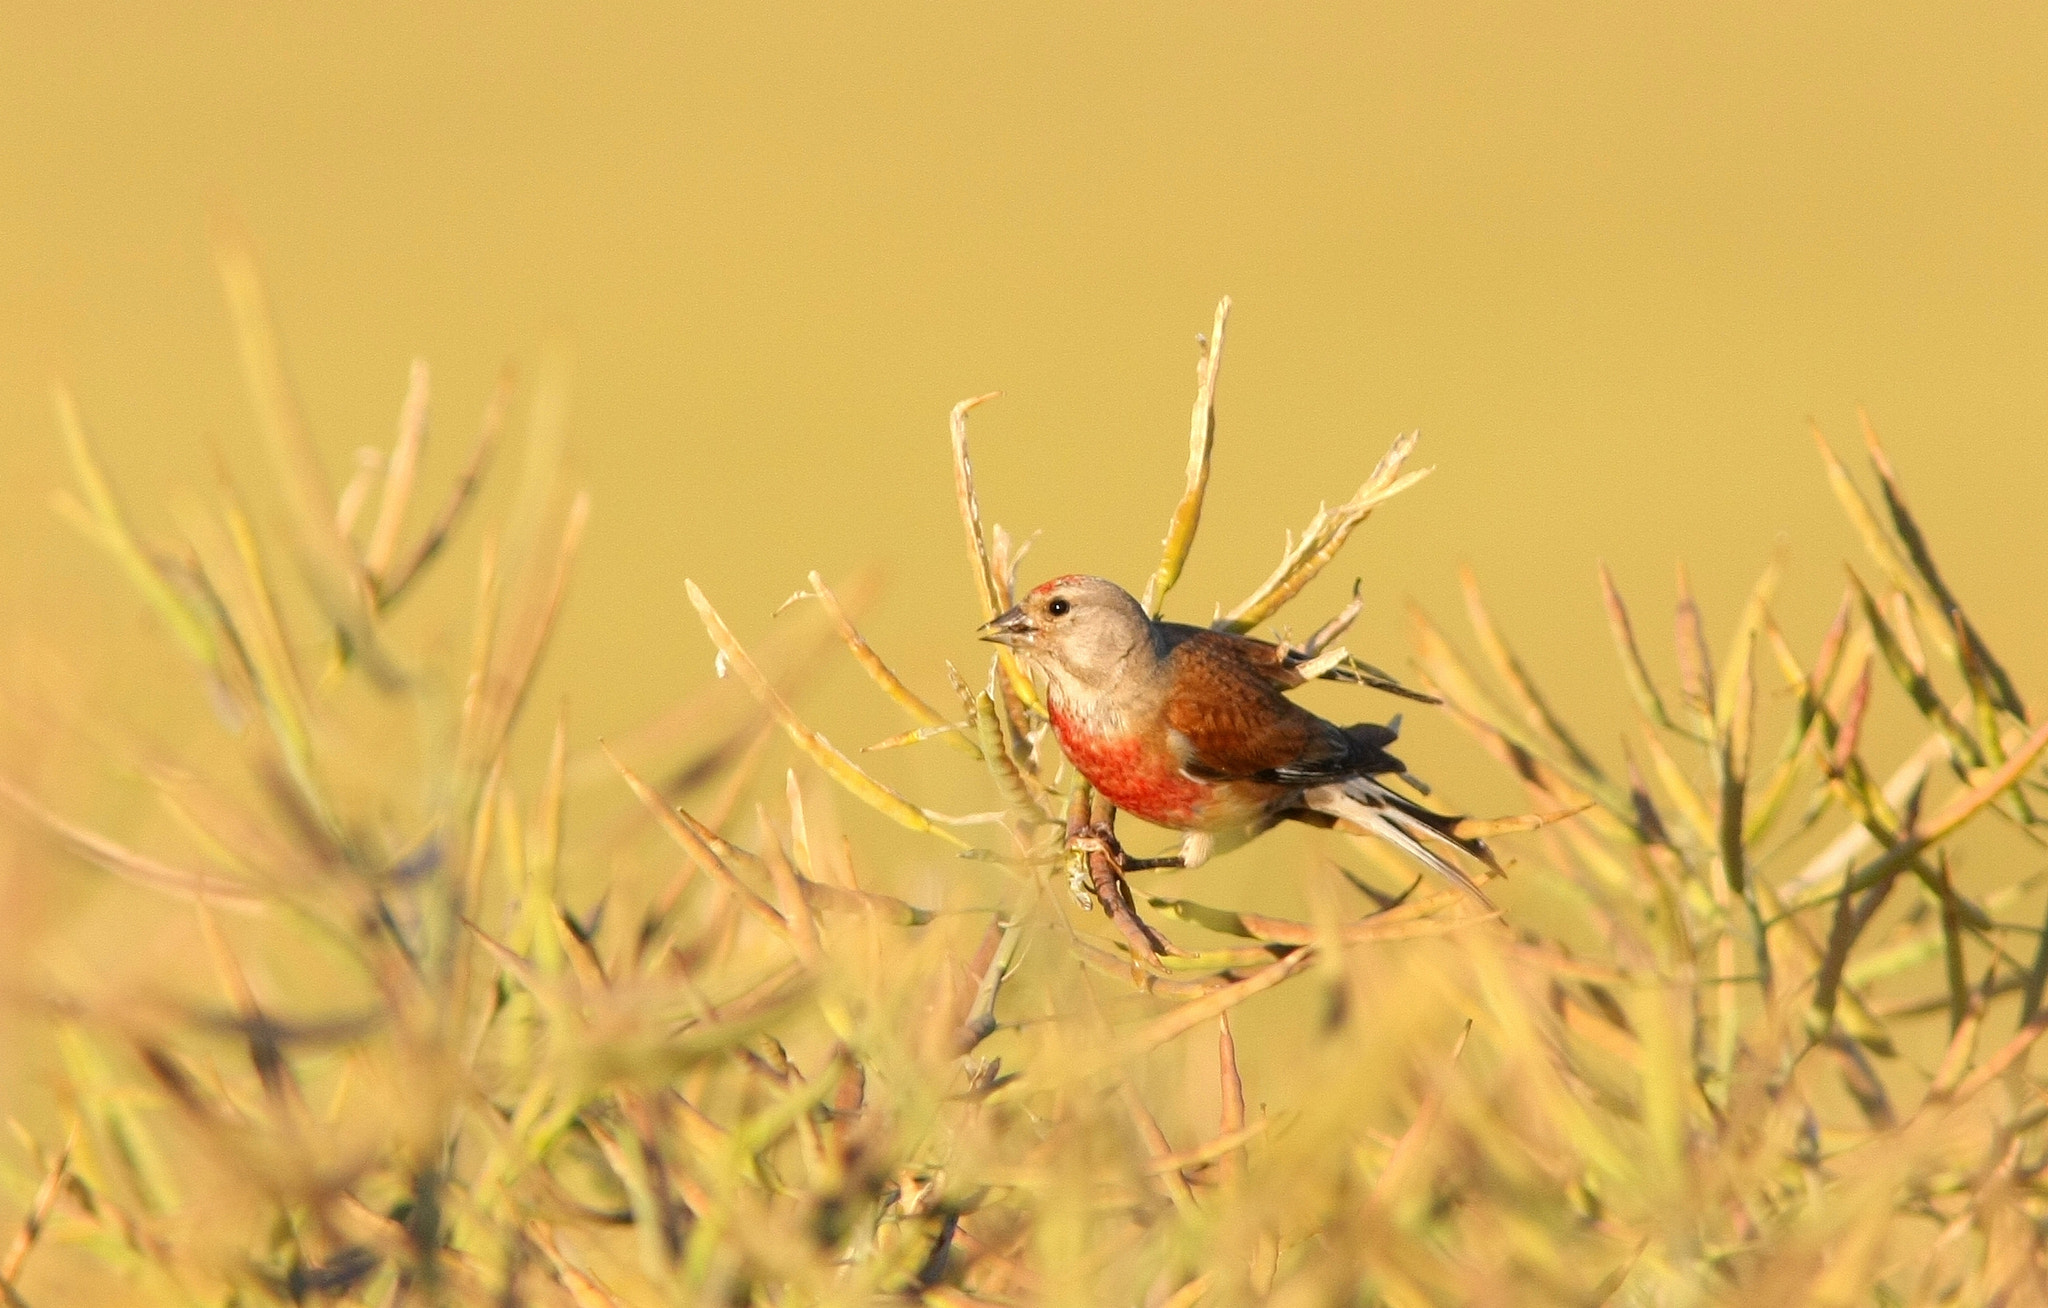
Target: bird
1190 729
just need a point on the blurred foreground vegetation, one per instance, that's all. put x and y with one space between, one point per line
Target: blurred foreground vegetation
1742 1036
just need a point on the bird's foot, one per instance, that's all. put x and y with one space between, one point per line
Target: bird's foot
1098 838
1082 846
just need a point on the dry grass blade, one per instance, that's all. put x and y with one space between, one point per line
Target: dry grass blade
40 1206
542 460
794 905
1684 798
995 960
1449 673
1851 916
1858 511
1323 537
1994 1067
1695 661
1911 674
1193 1014
1785 770
2037 979
106 525
800 846
1406 921
697 727
1210 1004
400 470
493 807
1187 515
1476 709
553 793
1955 1058
483 645
918 735
829 898
125 862
1731 759
1487 828
1190 1294
821 751
1160 1150
584 1289
1219 1151
1516 678
1971 646
393 583
333 571
1963 807
700 853
1952 950
1632 667
1005 556
1756 611
987 585
1409 1146
1908 848
970 505
879 672
349 507
1339 623
1842 762
505 685
251 618
1984 701
1230 1104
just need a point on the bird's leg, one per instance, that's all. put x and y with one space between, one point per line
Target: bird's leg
1151 864
1099 875
1195 848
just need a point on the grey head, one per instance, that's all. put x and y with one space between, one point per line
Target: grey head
1086 634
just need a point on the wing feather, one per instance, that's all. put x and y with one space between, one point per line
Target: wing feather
1228 720
1281 664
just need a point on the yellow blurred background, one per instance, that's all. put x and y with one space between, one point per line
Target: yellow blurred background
1609 259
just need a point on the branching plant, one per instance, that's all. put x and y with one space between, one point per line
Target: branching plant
1755 1029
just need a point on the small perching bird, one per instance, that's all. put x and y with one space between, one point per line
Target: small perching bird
1191 729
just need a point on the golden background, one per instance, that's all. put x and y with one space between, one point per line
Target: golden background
1609 261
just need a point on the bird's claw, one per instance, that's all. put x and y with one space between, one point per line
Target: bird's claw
1098 838
1078 885
1082 845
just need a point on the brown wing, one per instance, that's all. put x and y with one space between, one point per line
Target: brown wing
1282 666
1228 720
1263 658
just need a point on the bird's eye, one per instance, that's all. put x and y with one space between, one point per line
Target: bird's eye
1058 608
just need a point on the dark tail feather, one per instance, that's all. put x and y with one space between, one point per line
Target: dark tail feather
1375 810
1440 826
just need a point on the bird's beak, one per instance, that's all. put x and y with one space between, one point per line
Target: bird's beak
1013 628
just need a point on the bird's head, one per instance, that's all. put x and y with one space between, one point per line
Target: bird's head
1081 630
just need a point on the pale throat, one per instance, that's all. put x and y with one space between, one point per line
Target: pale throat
1093 710
1099 706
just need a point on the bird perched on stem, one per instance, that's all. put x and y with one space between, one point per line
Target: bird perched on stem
1191 729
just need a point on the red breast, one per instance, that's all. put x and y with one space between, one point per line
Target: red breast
1141 780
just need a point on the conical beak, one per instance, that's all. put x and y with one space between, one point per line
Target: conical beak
1013 628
